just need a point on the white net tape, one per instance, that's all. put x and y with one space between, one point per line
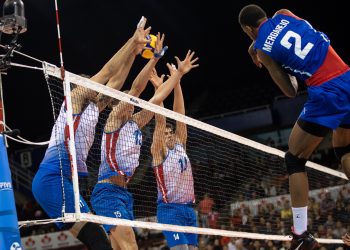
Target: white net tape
53 71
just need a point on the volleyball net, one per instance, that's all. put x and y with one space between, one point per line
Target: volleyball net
246 180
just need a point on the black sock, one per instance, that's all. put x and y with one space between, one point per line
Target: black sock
94 237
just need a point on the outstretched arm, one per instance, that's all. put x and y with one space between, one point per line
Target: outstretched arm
116 70
139 84
158 143
144 116
142 78
287 83
164 90
121 62
179 107
183 68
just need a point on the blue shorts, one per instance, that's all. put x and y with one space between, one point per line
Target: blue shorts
47 190
112 201
329 103
178 214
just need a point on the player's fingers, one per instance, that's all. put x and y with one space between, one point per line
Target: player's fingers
177 60
194 60
141 24
188 53
148 30
256 61
169 66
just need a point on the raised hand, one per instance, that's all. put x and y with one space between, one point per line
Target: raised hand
159 50
183 67
140 34
155 79
254 55
172 69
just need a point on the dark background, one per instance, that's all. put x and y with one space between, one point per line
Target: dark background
92 31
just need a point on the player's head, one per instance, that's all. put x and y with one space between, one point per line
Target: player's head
113 103
250 17
169 135
127 109
85 75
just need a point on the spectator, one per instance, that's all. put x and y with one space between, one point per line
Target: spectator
327 205
286 212
339 230
330 221
239 245
213 218
313 206
236 219
205 207
340 212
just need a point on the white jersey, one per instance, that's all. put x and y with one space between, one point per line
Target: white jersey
84 131
120 151
174 177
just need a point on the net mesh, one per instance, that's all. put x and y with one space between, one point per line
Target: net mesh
239 185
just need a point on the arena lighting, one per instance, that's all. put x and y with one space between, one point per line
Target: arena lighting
12 22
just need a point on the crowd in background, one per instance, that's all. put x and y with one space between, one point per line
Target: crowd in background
328 216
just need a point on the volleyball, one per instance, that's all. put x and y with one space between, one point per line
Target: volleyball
148 50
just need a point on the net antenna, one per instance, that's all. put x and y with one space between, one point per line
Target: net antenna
71 140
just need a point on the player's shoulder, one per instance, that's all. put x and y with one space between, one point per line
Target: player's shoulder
287 13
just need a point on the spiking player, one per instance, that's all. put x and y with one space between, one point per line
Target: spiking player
173 173
290 47
121 144
47 183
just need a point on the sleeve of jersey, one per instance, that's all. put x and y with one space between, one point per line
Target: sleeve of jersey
287 13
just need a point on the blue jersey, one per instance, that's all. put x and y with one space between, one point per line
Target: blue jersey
294 44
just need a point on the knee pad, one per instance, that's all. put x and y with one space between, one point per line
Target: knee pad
294 164
94 237
341 151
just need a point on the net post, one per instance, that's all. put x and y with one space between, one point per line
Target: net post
73 158
9 232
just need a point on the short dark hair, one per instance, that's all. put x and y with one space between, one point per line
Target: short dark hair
114 101
171 126
250 15
85 75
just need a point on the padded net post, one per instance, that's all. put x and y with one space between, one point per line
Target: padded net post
72 151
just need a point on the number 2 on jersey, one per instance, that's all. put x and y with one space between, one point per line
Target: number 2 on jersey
301 53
